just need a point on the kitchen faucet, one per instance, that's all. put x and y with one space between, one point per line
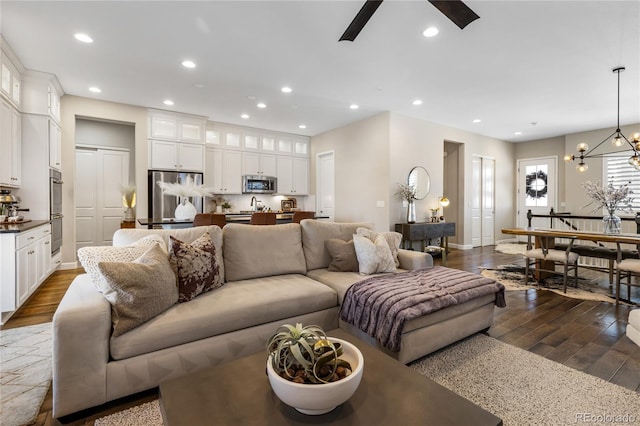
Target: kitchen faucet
254 203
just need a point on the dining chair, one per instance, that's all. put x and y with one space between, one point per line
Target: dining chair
545 257
299 215
263 218
203 219
629 267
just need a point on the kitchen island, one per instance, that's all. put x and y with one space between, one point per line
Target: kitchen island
233 217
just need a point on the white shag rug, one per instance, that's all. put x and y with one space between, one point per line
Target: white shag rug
25 372
520 387
511 248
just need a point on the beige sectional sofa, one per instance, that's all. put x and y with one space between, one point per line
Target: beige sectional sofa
273 275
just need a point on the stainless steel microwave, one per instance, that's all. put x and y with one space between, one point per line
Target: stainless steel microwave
256 184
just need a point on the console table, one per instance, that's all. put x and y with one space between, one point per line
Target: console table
421 231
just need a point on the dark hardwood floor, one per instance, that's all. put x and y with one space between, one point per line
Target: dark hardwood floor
585 335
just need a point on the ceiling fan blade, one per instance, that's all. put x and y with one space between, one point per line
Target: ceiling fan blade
360 20
459 13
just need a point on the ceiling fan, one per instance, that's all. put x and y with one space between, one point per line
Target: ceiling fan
458 12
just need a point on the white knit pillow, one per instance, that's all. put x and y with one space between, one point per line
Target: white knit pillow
393 240
373 256
90 256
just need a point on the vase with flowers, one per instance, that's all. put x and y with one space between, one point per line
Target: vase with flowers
611 199
184 190
408 193
129 202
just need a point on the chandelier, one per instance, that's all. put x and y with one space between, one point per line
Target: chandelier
617 140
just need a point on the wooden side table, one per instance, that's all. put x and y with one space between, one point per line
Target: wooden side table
421 231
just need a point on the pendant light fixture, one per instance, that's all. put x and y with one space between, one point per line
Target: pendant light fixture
618 139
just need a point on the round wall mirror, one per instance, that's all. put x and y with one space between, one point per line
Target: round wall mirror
420 180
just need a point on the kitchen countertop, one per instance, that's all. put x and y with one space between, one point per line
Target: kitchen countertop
232 217
14 228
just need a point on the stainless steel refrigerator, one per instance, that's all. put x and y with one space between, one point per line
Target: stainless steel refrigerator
162 206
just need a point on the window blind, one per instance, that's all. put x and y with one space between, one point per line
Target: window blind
619 172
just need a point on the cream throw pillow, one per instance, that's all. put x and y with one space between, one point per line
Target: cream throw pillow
373 256
90 256
393 240
138 290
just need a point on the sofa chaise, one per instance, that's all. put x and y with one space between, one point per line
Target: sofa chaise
273 275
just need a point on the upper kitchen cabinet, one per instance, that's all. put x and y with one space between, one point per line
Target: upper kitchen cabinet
293 175
176 127
10 145
231 138
301 147
213 135
165 155
222 171
10 76
250 141
41 94
55 146
254 163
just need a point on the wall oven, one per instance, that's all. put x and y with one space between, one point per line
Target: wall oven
55 209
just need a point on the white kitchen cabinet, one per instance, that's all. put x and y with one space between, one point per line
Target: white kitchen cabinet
222 171
254 163
11 81
176 156
25 262
293 175
268 143
251 141
285 146
301 147
41 94
176 127
231 138
10 145
55 146
213 137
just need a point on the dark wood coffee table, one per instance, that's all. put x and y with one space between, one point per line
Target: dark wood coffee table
238 393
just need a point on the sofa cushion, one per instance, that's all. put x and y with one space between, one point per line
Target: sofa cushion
235 306
253 251
90 256
138 290
374 256
196 267
343 255
314 234
393 240
123 237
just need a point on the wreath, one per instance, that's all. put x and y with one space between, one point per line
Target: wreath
532 191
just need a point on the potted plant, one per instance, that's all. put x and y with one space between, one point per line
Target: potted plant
312 372
226 206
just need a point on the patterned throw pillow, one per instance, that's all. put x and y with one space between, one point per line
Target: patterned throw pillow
373 256
196 267
90 256
393 240
138 290
343 255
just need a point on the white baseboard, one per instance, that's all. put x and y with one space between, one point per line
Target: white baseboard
461 246
68 265
508 240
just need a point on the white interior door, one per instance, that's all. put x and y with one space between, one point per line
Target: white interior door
482 201
100 176
325 184
537 187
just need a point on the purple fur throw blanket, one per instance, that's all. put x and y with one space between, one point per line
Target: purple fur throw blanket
381 305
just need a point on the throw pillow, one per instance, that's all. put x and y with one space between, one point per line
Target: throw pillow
196 266
393 240
343 255
138 290
90 256
373 256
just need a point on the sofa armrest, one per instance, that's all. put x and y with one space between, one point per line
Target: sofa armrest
412 260
81 331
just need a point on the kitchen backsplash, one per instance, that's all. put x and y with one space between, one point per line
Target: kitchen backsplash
243 202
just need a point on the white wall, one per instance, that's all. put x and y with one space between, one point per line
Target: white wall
73 107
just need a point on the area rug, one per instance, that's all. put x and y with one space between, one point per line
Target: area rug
512 276
25 372
511 248
520 387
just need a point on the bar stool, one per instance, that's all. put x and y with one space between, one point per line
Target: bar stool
203 219
567 258
263 218
299 215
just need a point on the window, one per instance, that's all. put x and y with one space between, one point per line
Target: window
618 171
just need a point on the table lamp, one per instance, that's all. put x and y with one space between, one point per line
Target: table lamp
444 202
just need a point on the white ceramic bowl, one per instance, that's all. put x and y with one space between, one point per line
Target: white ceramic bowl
322 398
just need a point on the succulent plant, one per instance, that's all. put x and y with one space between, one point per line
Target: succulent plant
306 355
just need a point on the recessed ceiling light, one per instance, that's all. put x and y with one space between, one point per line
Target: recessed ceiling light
188 64
303 126
198 85
95 89
261 105
83 38
417 102
517 133
354 106
245 116
286 89
477 120
430 32
168 102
